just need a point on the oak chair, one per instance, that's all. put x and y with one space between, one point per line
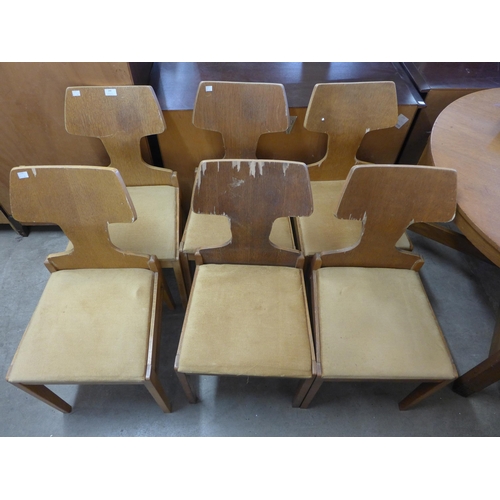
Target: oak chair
372 318
241 113
120 117
247 312
345 112
98 319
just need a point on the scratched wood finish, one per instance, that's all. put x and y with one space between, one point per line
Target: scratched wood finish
252 194
388 198
241 112
81 200
120 117
346 112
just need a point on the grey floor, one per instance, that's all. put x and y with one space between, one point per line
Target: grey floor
464 291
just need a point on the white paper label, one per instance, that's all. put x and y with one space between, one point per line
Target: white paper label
23 175
208 88
76 93
401 121
110 92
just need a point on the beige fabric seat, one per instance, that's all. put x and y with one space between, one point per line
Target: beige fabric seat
378 324
90 326
247 320
322 231
208 231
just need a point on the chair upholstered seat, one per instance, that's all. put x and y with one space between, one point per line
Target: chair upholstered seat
209 231
247 320
90 326
378 324
322 231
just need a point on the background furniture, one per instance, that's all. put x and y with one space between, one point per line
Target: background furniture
32 116
439 84
98 319
183 146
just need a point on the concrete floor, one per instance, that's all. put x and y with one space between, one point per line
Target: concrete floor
464 291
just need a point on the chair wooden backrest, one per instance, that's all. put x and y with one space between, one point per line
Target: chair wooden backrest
82 201
252 194
241 112
346 112
120 117
388 198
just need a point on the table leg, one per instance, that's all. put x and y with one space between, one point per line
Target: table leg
485 373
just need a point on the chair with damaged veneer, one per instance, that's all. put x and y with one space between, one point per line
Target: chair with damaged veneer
247 313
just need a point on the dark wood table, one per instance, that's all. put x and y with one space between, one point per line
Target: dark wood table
466 137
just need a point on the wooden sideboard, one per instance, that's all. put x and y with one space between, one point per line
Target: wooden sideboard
32 114
183 146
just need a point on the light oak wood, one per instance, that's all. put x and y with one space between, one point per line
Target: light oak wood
83 200
388 198
120 117
346 112
241 113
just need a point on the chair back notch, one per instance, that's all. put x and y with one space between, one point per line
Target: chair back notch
252 194
346 112
388 198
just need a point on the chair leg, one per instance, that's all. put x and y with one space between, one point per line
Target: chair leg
301 392
318 381
181 283
186 271
155 388
421 392
188 390
46 395
479 377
